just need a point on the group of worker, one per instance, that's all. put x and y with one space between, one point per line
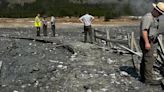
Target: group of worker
44 23
86 19
149 27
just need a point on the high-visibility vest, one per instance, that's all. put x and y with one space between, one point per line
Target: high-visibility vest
37 22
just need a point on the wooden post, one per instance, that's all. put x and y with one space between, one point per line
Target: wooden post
132 41
129 39
132 48
94 33
135 45
108 38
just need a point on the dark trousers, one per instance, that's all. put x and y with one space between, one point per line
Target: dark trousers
146 66
53 29
37 31
88 31
45 30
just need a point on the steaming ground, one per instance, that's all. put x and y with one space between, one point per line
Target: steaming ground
64 63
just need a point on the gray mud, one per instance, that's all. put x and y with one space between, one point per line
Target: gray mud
64 64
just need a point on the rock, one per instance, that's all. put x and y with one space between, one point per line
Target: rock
60 62
0 65
15 91
36 84
30 44
123 73
113 76
89 90
60 66
109 61
20 55
23 86
34 53
104 89
53 61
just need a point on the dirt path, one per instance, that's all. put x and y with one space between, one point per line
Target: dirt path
60 22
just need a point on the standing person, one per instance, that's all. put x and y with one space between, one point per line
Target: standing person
149 28
44 21
53 25
87 20
37 24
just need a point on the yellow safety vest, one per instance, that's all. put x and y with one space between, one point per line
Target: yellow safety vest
37 22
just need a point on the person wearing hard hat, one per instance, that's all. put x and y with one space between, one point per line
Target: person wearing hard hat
87 20
37 24
149 28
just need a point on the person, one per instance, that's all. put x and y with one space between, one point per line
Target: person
44 21
87 21
37 24
149 28
53 25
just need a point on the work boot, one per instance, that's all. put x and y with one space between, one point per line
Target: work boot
142 80
153 82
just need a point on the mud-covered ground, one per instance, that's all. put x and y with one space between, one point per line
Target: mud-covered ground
64 63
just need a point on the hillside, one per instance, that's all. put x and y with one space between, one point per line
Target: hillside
108 8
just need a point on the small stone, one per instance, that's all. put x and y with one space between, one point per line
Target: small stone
85 72
61 62
53 61
117 82
20 55
136 88
30 44
91 75
105 75
36 83
60 66
0 64
34 53
123 73
64 67
113 76
89 90
54 43
3 85
23 86
15 91
104 89
47 87
109 61
103 58
53 78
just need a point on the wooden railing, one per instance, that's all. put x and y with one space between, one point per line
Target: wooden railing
130 41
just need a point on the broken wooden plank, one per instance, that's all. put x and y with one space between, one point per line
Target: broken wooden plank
136 53
98 31
112 40
160 44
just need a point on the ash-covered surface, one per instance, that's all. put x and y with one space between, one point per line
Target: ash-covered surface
65 64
